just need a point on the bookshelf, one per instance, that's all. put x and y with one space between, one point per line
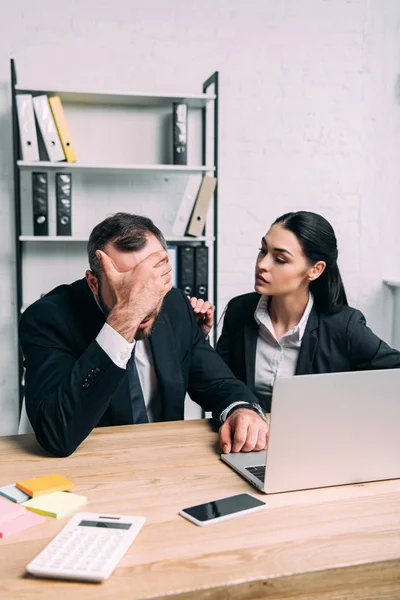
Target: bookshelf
33 166
123 141
68 239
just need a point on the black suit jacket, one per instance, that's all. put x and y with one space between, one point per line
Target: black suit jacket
72 385
332 342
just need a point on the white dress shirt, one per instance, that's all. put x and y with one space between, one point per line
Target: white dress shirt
119 350
275 357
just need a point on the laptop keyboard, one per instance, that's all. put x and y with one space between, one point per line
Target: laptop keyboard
258 472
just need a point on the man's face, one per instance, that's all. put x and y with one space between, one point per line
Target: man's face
123 262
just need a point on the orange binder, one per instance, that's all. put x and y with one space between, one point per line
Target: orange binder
62 128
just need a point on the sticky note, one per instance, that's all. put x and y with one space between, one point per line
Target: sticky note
11 492
9 510
24 521
57 505
45 485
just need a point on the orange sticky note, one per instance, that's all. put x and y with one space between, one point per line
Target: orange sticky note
45 485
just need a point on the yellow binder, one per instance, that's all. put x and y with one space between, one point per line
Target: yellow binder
62 128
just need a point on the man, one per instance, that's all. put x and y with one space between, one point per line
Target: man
122 347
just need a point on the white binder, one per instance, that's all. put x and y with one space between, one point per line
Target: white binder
186 205
27 128
48 128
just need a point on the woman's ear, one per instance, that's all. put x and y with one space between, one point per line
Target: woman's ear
92 282
316 270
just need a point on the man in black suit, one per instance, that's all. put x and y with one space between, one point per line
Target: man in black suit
122 347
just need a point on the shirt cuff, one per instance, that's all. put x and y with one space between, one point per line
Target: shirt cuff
113 344
222 416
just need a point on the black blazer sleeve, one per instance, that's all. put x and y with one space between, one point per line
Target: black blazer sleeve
366 350
66 394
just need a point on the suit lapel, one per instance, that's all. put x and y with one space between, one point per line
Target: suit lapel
309 345
168 369
250 347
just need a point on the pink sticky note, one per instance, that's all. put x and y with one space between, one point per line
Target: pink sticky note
25 521
9 510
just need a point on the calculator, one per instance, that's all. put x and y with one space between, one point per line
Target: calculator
88 548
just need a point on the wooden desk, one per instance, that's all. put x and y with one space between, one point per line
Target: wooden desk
331 543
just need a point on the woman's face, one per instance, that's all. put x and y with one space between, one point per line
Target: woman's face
281 266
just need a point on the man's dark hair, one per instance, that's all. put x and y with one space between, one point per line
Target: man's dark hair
126 232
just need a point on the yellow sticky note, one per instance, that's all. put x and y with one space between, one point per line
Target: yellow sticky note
45 485
57 505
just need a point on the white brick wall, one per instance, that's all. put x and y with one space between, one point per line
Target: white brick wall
310 119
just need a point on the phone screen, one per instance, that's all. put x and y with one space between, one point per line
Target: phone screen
223 507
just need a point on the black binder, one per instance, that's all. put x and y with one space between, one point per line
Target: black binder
63 203
201 272
186 269
180 130
40 204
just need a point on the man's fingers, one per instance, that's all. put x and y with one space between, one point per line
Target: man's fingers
158 258
251 439
239 435
262 439
106 263
225 437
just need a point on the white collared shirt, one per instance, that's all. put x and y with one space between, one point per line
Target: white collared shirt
119 350
275 357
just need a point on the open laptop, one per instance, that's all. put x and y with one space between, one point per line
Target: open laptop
329 429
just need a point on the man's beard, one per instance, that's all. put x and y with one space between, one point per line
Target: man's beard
141 333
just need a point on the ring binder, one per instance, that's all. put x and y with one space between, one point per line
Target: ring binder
201 272
186 269
40 204
63 202
180 126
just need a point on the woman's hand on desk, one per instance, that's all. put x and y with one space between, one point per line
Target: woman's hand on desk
204 313
243 431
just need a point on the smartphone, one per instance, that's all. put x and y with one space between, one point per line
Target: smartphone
222 509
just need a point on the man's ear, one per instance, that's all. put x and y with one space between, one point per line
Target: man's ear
316 270
92 282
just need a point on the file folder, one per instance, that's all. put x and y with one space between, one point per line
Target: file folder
200 209
63 203
62 128
186 269
186 206
40 203
27 128
47 127
201 272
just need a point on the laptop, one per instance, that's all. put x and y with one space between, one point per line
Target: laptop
329 429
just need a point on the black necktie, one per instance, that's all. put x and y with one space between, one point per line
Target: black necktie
139 411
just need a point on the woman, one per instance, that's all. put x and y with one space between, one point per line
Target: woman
298 320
